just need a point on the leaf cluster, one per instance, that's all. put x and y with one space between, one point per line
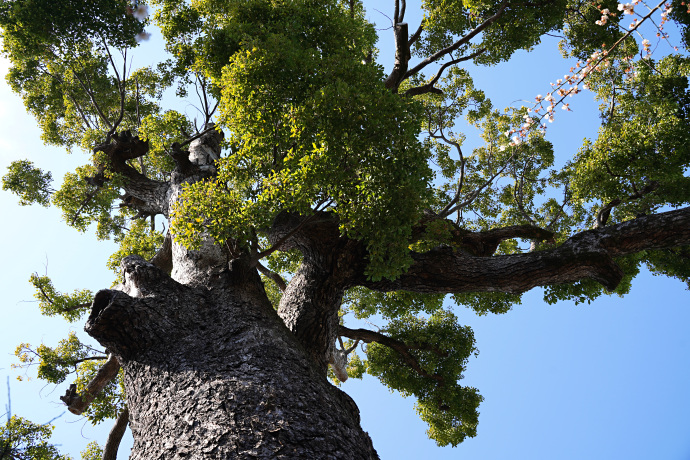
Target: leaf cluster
22 439
441 347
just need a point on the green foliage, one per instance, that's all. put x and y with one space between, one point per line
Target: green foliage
643 141
82 202
31 184
71 356
442 348
488 302
20 438
670 262
33 25
140 240
587 290
55 364
312 124
51 302
92 452
110 401
161 130
366 303
520 26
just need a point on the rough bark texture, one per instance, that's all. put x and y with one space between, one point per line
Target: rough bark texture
589 254
115 435
77 403
213 371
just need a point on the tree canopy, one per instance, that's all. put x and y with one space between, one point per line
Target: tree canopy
304 138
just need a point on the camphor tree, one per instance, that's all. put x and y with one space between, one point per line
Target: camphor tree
316 183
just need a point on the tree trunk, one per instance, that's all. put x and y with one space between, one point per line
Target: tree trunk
212 372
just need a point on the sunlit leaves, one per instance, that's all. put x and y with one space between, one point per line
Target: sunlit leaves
441 348
643 142
514 26
365 303
314 126
92 452
140 240
54 364
81 201
28 182
20 438
52 302
161 130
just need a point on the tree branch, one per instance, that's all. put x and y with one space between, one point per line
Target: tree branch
464 40
163 258
115 435
402 56
401 348
429 86
589 254
77 403
272 275
605 212
150 194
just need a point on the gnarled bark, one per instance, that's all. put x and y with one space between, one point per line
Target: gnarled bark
216 374
589 254
213 371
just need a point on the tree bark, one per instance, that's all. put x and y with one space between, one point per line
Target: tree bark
211 370
214 373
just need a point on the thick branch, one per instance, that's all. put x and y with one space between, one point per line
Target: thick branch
483 244
115 435
588 254
280 282
163 258
402 57
77 403
146 195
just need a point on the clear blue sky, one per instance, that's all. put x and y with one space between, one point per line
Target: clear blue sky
608 380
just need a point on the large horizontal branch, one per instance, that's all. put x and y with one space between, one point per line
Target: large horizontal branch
77 403
589 254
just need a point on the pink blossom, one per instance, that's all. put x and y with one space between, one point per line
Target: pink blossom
141 13
142 36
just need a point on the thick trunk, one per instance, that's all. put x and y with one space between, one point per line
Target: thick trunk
211 371
214 373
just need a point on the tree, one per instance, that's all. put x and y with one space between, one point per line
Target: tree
316 184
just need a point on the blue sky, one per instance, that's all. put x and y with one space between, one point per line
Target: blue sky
608 380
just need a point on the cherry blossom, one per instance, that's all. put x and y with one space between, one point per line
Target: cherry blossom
142 36
141 13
